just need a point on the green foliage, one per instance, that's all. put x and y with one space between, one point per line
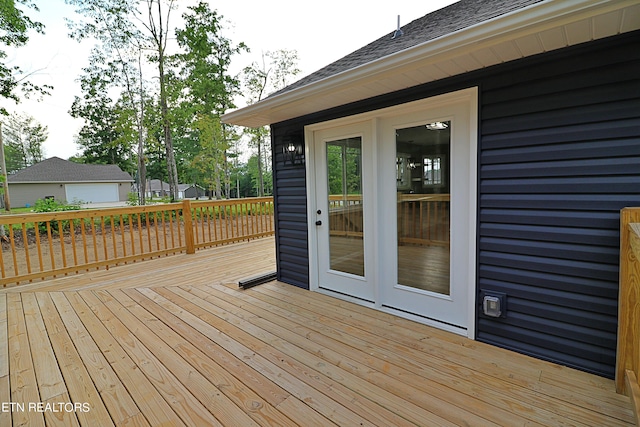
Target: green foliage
132 199
23 139
211 157
173 116
112 128
203 89
274 74
261 184
204 65
14 26
52 205
108 134
344 167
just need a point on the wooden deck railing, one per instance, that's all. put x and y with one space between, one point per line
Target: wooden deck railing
423 219
628 354
345 215
40 245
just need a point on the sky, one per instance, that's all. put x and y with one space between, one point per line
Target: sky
321 32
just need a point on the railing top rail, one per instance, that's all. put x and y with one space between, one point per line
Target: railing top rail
419 197
86 213
347 197
231 201
115 211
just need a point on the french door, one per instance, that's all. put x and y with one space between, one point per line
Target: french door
344 210
393 217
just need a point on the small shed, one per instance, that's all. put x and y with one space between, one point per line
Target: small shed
468 172
191 191
68 181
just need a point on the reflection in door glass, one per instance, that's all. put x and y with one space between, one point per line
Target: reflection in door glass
346 233
423 187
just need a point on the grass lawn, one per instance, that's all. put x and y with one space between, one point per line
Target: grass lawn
17 211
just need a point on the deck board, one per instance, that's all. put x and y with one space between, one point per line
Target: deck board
173 341
222 371
24 388
140 389
5 388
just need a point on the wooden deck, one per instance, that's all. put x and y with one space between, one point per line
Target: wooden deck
173 341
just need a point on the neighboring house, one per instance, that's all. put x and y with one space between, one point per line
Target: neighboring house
159 188
191 191
68 181
469 172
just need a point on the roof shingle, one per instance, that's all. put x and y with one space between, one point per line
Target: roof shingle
439 23
56 169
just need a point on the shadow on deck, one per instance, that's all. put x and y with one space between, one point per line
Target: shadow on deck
173 341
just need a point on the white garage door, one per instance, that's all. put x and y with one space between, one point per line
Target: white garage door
92 193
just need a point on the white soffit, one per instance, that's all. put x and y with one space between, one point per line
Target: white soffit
539 28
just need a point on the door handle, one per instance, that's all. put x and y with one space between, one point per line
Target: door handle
318 222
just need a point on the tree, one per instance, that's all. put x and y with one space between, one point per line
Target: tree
207 88
155 150
108 135
343 164
261 80
118 59
14 26
23 139
157 25
208 162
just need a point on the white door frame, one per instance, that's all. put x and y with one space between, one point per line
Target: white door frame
360 287
467 96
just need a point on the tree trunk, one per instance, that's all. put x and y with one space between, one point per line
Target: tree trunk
142 164
260 177
218 183
142 172
166 125
168 142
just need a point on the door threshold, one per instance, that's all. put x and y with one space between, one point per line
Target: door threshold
458 330
455 329
346 297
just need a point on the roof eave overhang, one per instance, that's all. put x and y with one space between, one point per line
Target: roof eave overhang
95 181
539 28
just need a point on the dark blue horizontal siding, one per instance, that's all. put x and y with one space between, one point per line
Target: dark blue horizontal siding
290 194
539 343
568 235
530 244
580 115
590 292
590 138
559 156
564 202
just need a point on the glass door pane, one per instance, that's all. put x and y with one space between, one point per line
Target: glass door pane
346 231
423 200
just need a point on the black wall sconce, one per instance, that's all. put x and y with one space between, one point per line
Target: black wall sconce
293 151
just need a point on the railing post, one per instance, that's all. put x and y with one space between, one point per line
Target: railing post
188 226
627 356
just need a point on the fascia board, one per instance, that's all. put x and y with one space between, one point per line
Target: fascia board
510 26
